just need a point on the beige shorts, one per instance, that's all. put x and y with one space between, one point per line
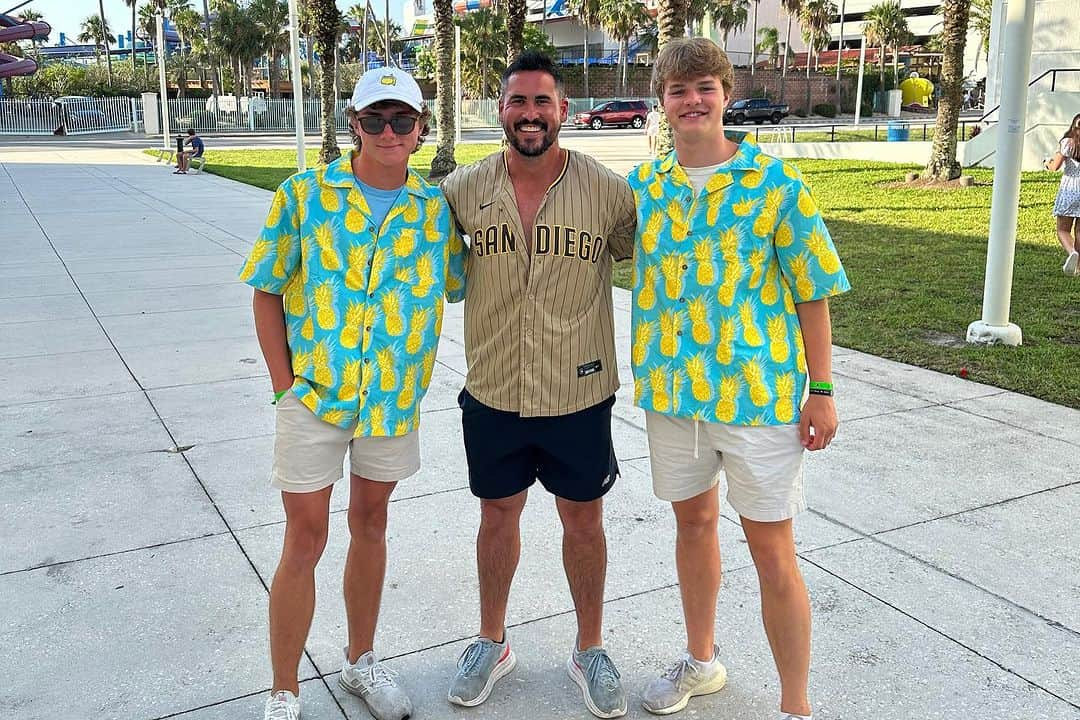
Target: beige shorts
763 464
308 452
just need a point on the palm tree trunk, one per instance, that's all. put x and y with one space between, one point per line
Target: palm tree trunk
134 28
585 61
783 71
443 163
943 164
624 61
515 29
753 41
808 51
327 22
105 40
670 24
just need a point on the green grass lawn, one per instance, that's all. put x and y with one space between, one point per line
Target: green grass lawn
915 258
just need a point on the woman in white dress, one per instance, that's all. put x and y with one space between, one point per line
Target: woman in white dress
1067 204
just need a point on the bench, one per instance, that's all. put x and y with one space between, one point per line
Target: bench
196 164
166 155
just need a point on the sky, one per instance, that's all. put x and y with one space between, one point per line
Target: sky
67 15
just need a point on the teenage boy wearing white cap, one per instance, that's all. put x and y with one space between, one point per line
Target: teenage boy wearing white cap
349 275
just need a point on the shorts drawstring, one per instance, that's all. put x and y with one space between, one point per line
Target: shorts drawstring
695 438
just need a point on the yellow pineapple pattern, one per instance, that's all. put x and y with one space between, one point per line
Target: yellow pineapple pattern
284 242
755 380
727 406
643 334
751 332
354 318
644 171
785 397
405 242
378 263
407 396
676 390
307 330
329 200
301 361
778 345
725 348
770 289
428 366
656 189
425 275
706 265
417 327
823 252
672 267
806 204
700 327
391 307
388 379
757 267
670 328
377 417
789 299
357 265
371 317
324 238
651 234
257 255
647 295
301 191
658 384
752 179
412 211
712 212
324 302
320 358
744 207
367 379
350 382
804 285
766 219
276 206
431 218
784 235
639 389
403 274
699 386
800 352
355 222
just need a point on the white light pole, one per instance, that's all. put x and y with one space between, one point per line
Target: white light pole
162 87
457 83
994 328
862 67
297 84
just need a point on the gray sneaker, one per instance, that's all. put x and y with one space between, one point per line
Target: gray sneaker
686 678
598 679
482 664
377 686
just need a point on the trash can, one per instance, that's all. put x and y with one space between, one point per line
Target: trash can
180 143
897 132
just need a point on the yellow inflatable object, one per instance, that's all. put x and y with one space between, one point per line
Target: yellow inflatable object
918 91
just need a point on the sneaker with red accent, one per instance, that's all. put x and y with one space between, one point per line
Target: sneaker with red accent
482 664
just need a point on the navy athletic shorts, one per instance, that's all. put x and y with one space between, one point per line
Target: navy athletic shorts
571 455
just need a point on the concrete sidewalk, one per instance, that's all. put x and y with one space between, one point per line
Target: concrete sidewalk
140 533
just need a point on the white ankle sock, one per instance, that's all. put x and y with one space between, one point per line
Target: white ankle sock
793 716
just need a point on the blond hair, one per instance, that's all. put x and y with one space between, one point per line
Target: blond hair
688 58
424 121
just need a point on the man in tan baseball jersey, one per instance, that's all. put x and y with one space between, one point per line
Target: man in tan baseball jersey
545 225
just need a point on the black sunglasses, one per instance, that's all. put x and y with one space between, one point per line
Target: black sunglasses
400 124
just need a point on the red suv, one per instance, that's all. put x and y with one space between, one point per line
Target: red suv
616 113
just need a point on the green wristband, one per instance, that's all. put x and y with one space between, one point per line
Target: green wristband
278 395
821 386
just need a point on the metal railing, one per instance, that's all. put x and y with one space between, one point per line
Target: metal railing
66 116
29 117
864 132
247 115
1052 72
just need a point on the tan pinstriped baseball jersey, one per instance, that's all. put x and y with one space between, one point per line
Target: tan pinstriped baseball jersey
539 331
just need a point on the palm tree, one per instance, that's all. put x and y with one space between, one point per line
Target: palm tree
769 42
515 28
670 24
792 8
93 31
443 163
326 19
753 35
587 13
272 16
622 20
886 25
943 164
106 38
732 16
482 52
147 25
187 23
134 29
815 18
30 16
982 16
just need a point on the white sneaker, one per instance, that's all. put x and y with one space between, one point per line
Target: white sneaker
1071 263
282 705
377 686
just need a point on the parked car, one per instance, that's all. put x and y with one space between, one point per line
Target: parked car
757 110
80 112
616 113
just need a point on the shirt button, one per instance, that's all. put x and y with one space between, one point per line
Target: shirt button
685 267
368 328
528 331
678 332
367 360
682 300
364 392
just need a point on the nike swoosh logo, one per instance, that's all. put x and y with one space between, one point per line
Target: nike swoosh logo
489 203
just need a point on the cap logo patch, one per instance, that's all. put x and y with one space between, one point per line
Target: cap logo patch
388 80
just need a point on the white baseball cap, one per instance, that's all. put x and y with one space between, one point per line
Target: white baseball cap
388 83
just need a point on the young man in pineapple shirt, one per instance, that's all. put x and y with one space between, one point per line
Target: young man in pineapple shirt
349 276
733 266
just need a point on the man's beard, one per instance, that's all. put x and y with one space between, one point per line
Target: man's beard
531 150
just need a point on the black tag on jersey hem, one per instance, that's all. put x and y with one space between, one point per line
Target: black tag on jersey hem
589 368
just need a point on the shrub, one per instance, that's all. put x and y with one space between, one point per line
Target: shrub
799 112
825 110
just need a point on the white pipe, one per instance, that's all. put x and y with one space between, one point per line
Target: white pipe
994 327
297 85
160 52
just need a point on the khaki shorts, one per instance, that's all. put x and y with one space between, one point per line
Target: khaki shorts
308 452
763 464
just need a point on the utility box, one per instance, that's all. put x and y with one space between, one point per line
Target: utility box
151 114
894 99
